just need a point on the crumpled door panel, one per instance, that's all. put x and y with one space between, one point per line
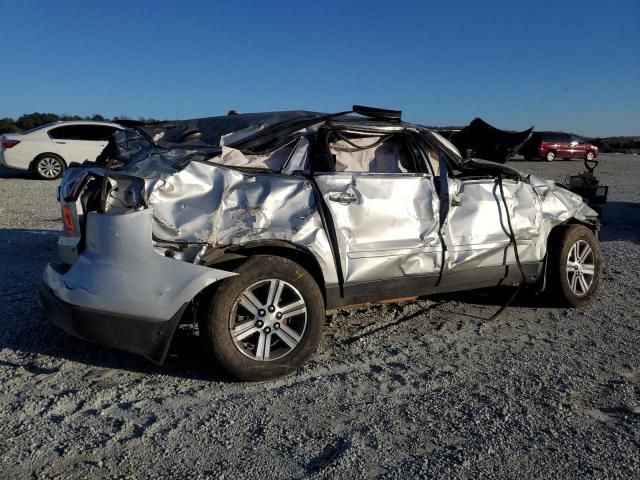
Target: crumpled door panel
477 232
390 227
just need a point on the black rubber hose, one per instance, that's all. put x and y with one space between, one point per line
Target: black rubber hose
512 241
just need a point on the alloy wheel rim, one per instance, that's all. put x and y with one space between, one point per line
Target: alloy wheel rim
580 268
49 167
268 320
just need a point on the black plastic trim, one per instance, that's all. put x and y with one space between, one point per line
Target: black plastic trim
148 338
411 286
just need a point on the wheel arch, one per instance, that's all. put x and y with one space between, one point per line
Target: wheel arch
552 266
40 155
558 229
231 257
555 234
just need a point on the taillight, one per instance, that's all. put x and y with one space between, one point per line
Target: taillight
67 217
9 143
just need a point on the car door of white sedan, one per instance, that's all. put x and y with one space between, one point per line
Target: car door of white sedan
79 143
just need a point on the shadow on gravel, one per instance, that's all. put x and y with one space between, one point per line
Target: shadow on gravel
9 173
498 296
620 221
328 455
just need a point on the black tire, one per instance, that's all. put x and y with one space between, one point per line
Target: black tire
48 166
550 156
227 306
560 276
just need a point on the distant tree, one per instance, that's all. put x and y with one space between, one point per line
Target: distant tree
98 118
64 116
33 120
8 125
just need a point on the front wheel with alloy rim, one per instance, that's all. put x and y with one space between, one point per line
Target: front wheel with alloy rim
550 156
266 321
48 166
590 156
575 265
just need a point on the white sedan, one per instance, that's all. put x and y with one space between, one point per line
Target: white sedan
48 150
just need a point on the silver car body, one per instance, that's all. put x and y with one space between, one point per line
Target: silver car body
174 217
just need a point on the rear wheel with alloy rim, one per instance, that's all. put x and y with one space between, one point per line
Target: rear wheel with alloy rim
48 166
266 321
576 265
590 156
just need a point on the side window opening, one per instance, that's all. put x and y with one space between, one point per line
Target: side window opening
72 132
82 132
103 133
68 132
369 154
89 133
57 133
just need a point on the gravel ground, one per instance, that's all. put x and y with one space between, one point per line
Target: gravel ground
426 388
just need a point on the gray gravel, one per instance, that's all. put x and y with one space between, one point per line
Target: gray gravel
426 388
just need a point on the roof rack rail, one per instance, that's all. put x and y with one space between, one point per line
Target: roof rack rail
378 113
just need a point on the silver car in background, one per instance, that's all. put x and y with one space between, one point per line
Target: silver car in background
254 224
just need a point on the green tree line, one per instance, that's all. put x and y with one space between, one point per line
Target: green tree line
36 119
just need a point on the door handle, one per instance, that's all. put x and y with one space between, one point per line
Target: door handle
343 198
62 143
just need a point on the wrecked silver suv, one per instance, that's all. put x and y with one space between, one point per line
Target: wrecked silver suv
255 224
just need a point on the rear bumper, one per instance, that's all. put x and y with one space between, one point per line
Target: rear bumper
149 339
120 292
9 159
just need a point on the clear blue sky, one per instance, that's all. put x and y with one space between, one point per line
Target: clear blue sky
572 65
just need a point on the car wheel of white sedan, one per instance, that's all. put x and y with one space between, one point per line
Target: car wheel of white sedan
266 321
48 166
